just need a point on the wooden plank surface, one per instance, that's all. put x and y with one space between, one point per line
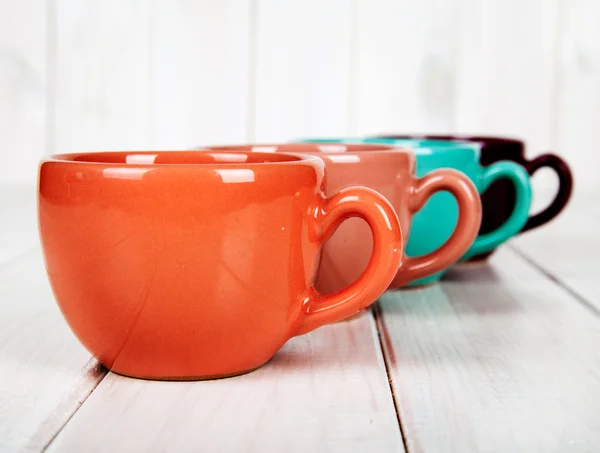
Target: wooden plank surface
45 374
506 77
496 359
578 91
200 71
324 391
568 248
406 66
24 41
304 68
102 75
18 221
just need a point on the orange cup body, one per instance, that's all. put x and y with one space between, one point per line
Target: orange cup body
187 265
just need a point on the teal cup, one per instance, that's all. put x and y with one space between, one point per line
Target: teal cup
435 222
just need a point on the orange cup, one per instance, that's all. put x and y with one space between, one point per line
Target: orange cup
188 265
390 170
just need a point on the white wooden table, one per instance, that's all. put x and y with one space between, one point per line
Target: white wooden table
498 358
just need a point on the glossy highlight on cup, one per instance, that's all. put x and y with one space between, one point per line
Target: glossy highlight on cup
389 170
500 198
184 265
438 217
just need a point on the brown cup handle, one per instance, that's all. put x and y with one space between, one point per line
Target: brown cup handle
388 245
565 188
467 226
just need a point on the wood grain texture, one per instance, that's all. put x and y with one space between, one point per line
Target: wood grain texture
304 68
102 75
568 248
406 71
45 374
578 94
201 74
496 359
507 77
18 224
324 391
23 88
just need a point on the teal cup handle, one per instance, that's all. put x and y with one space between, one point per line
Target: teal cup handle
518 218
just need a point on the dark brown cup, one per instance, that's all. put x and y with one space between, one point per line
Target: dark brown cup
499 199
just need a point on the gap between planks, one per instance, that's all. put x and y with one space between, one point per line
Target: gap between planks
94 372
45 374
327 389
383 336
557 280
495 358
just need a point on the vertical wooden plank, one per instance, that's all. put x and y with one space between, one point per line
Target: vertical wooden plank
304 59
406 73
201 72
102 75
23 88
578 102
507 78
18 227
506 70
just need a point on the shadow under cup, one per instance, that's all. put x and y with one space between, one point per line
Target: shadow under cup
196 265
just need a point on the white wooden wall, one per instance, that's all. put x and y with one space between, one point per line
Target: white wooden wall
126 74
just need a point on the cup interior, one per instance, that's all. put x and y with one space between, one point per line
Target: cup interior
422 146
310 148
462 138
430 146
196 157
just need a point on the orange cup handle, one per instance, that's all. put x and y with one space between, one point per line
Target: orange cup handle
320 309
467 226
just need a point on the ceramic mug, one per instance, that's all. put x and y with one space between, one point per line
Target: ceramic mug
187 265
390 171
436 221
499 199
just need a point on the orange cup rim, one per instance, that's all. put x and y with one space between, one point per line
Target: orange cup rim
147 159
